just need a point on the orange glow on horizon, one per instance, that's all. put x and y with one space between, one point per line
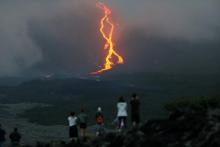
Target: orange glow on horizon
108 36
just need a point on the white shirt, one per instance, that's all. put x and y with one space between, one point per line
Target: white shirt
72 120
122 109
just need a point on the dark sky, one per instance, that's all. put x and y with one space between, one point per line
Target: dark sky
61 36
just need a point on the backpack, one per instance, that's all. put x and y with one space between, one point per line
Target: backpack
99 119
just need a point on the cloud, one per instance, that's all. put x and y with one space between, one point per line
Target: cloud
53 36
192 20
46 34
147 53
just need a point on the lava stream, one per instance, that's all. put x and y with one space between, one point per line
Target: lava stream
108 36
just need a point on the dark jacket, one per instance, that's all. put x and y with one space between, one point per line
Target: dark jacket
135 106
2 135
15 137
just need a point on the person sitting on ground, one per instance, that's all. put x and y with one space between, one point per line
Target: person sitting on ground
15 137
135 110
83 119
122 113
99 122
2 136
73 130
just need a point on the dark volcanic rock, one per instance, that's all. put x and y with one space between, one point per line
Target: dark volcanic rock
184 128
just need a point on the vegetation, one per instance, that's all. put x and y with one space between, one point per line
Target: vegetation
196 103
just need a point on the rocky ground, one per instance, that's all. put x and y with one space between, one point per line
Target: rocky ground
9 118
185 127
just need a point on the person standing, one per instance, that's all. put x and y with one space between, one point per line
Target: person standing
15 138
122 113
83 119
73 130
2 136
99 117
135 110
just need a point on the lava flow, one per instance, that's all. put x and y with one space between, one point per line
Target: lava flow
107 24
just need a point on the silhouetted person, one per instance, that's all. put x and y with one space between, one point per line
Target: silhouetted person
99 122
135 110
122 113
15 137
2 136
73 130
83 119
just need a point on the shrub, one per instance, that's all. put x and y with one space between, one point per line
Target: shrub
196 103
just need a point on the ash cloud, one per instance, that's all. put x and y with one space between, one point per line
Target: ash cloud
189 20
173 36
47 36
53 36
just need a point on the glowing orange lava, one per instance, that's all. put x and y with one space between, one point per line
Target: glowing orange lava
108 36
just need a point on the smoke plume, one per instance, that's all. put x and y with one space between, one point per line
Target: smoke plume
53 36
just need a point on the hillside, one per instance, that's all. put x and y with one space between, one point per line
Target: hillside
65 94
50 90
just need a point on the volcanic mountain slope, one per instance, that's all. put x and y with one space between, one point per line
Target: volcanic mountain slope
187 126
70 94
109 86
49 90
